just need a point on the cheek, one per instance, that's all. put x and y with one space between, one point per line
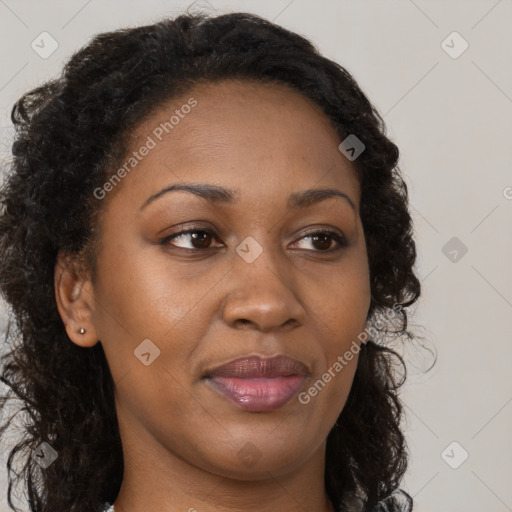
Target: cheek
346 321
139 298
344 299
342 306
325 397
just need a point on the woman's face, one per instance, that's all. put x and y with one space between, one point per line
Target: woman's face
250 279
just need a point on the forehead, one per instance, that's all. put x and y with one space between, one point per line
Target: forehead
241 135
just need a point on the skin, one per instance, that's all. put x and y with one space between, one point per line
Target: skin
181 439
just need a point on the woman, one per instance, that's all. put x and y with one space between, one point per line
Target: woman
203 236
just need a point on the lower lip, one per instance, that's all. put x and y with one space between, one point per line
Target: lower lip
258 394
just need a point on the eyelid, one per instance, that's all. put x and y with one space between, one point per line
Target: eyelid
317 229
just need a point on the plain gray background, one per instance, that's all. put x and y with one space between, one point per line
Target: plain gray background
449 111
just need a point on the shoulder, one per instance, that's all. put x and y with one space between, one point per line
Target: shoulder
397 501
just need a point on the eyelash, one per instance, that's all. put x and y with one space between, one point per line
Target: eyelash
334 235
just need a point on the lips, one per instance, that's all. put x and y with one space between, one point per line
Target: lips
258 384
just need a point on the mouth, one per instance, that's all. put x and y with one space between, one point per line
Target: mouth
258 384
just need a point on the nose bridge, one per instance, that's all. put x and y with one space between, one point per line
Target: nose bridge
260 292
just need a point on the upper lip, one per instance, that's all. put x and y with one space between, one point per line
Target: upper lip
257 366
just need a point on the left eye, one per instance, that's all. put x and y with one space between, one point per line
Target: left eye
322 240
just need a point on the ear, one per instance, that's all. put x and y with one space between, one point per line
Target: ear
74 295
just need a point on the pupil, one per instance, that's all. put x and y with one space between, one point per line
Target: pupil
199 236
324 238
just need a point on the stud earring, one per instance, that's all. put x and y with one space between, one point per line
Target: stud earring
81 330
51 432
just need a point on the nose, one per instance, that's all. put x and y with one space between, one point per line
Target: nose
260 297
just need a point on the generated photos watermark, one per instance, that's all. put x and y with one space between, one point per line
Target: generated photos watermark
342 360
151 142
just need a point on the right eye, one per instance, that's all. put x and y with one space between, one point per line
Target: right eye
198 239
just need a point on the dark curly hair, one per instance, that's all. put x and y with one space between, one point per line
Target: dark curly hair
70 133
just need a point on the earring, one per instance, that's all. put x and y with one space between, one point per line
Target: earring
51 432
81 330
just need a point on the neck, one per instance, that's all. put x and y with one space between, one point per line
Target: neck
155 478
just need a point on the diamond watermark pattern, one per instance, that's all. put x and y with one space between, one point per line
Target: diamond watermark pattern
454 45
249 249
454 455
44 45
44 455
352 147
147 352
454 249
249 454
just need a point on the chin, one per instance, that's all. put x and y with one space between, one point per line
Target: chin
251 463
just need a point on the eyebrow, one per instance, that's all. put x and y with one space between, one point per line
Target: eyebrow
221 195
